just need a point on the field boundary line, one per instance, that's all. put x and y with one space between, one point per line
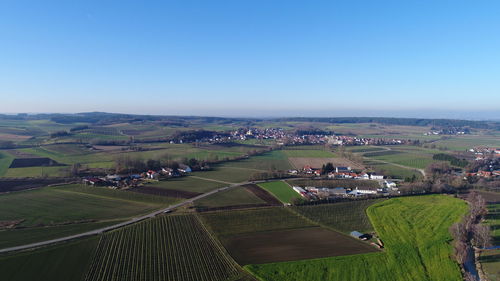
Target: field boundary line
214 180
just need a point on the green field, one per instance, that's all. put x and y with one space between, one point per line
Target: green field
343 216
188 184
392 171
65 262
22 236
51 206
309 153
234 196
53 212
490 263
416 237
226 223
281 190
34 172
5 160
167 248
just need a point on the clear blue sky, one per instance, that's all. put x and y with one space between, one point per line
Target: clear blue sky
251 57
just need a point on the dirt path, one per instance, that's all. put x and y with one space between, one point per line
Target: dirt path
207 179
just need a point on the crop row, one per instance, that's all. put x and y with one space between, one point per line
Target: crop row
168 248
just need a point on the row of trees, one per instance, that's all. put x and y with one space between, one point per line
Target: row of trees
470 231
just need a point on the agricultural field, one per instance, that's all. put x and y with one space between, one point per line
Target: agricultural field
190 184
165 248
490 263
300 162
236 197
392 171
56 211
229 223
309 153
463 143
490 259
280 190
416 237
5 160
292 244
343 216
64 262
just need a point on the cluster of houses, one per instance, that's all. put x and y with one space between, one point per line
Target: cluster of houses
133 180
316 193
448 131
294 138
483 152
339 173
484 174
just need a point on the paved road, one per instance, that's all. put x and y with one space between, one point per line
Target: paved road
122 224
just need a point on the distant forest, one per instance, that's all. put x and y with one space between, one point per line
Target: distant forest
103 118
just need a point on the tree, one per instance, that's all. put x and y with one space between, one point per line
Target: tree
327 168
481 235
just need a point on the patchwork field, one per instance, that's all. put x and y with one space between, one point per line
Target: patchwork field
55 211
65 262
309 153
318 162
281 190
166 248
247 196
293 244
228 223
343 216
277 234
415 233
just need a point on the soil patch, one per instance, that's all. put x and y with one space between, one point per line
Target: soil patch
291 245
262 194
33 162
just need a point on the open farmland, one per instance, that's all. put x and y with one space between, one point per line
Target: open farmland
167 248
292 244
65 262
309 153
247 196
343 216
55 211
280 190
227 223
318 162
415 233
5 160
191 184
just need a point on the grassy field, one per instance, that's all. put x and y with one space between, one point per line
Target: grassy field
166 248
234 196
415 233
188 184
344 216
5 160
392 171
34 172
274 160
22 236
65 262
309 153
280 190
51 206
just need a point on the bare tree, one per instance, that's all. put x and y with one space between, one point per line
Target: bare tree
460 251
481 235
469 277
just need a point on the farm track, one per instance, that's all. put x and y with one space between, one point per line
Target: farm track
120 225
